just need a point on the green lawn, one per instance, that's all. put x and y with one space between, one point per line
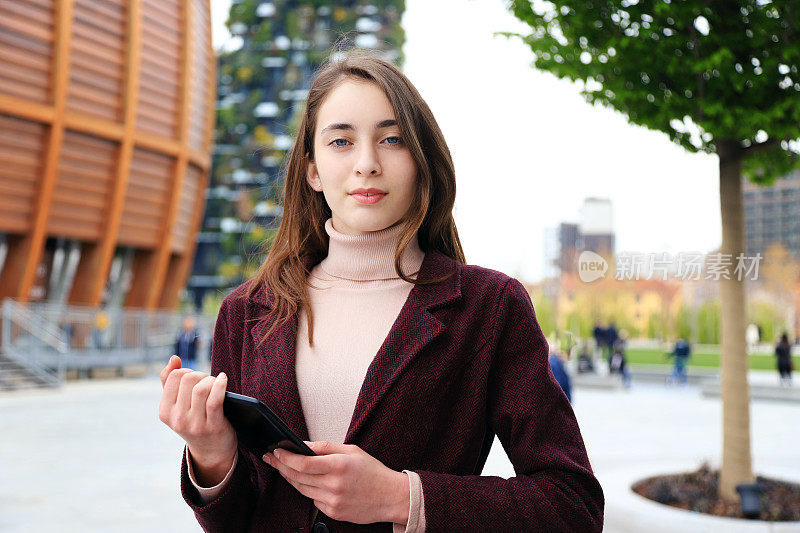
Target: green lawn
708 358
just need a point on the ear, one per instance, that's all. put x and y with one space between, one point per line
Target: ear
312 176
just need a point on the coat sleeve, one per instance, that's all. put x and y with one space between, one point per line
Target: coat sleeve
554 488
233 508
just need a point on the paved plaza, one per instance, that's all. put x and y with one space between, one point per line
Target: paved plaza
93 456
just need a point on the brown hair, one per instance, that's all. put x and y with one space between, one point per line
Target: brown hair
302 228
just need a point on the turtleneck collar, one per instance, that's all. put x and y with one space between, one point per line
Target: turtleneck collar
369 257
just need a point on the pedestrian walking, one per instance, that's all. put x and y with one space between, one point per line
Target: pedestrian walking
681 353
783 352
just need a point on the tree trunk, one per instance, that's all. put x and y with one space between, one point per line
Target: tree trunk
736 460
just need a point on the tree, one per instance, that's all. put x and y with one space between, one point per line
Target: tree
717 76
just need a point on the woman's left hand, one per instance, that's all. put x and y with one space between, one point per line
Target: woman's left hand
346 483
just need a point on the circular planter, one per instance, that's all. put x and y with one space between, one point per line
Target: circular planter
626 511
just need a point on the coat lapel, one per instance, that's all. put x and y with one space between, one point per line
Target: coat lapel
415 327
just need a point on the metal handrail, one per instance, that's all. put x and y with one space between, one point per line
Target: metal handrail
38 327
48 338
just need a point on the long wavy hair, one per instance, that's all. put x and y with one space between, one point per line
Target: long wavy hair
302 228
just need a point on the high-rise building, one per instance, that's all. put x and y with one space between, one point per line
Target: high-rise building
261 92
597 226
772 215
594 232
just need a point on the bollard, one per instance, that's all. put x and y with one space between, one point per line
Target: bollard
750 494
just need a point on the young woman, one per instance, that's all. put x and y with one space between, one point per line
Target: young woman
367 332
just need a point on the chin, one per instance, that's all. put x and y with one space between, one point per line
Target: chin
371 224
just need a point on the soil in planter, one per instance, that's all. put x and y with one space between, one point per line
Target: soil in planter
697 491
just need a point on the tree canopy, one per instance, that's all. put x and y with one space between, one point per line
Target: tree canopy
702 71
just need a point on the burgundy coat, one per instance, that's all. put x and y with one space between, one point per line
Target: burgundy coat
464 361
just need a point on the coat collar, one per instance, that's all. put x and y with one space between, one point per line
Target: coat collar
414 328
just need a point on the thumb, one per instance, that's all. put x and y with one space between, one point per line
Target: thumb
323 447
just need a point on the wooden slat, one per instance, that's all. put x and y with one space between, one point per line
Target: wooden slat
93 95
87 78
92 204
83 187
26 10
109 56
172 16
22 91
113 11
161 58
26 27
15 191
24 58
76 139
142 211
87 124
88 17
156 30
159 87
11 156
23 208
9 38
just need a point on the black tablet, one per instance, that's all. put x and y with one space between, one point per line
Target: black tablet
258 429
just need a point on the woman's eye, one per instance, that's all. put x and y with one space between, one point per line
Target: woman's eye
394 140
336 142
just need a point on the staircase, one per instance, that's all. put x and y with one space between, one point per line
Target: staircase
31 349
15 375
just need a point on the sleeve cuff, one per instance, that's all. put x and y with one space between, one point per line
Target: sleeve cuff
416 511
208 494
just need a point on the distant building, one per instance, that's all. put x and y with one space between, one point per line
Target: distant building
594 232
597 226
772 215
106 121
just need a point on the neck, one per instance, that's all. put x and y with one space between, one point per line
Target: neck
370 256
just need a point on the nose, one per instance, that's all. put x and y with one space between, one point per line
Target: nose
367 163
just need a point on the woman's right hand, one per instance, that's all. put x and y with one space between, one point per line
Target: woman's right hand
191 405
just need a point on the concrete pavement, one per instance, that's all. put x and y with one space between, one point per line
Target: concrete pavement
93 456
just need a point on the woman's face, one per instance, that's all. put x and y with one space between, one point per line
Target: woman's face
358 145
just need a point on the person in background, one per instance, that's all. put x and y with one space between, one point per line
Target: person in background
611 337
585 361
187 343
752 337
99 326
619 362
599 334
783 351
681 352
557 359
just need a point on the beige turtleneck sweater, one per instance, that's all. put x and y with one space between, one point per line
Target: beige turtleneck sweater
354 289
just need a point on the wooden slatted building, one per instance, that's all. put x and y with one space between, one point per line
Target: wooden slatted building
106 117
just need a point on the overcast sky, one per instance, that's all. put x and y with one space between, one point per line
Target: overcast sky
528 149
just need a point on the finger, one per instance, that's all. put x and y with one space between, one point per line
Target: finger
200 393
310 491
295 476
315 465
188 381
214 410
173 363
172 386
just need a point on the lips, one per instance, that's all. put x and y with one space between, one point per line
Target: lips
368 191
368 198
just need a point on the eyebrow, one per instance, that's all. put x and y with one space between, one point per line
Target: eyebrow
344 126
